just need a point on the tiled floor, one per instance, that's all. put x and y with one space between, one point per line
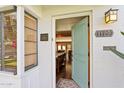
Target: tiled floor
66 83
64 78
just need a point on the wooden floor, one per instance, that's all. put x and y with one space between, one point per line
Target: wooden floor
68 74
65 72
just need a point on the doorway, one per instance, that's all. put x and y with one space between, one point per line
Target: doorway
63 52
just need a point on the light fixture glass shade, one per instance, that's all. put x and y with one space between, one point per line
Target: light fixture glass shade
111 16
59 47
63 48
107 18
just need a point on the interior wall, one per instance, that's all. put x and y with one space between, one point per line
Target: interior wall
63 39
67 23
107 67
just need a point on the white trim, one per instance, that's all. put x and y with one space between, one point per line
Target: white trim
75 14
91 49
20 41
33 13
2 9
26 8
6 7
53 70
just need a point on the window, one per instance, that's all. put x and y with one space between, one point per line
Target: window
8 52
30 41
59 47
64 47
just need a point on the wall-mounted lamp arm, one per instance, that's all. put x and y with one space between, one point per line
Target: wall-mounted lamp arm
118 53
113 49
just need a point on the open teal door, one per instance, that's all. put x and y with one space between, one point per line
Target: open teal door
80 53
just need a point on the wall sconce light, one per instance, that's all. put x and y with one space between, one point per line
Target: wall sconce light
111 15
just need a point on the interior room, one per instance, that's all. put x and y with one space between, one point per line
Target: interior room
64 50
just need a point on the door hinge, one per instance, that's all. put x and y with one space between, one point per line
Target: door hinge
88 25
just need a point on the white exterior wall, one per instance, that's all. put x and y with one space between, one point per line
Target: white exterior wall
31 77
108 69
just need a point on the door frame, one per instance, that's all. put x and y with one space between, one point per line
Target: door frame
53 44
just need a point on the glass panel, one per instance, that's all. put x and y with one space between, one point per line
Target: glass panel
30 35
30 22
10 42
113 17
30 60
107 18
30 47
30 41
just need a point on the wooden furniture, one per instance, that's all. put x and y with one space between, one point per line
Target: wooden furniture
60 61
70 55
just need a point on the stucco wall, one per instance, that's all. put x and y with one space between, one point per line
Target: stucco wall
107 67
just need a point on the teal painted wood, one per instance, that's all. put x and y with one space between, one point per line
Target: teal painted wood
80 53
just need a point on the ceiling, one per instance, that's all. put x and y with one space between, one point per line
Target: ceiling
67 23
68 20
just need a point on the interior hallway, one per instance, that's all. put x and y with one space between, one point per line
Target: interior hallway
64 78
65 72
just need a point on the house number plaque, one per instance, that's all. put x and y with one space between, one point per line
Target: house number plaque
104 33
